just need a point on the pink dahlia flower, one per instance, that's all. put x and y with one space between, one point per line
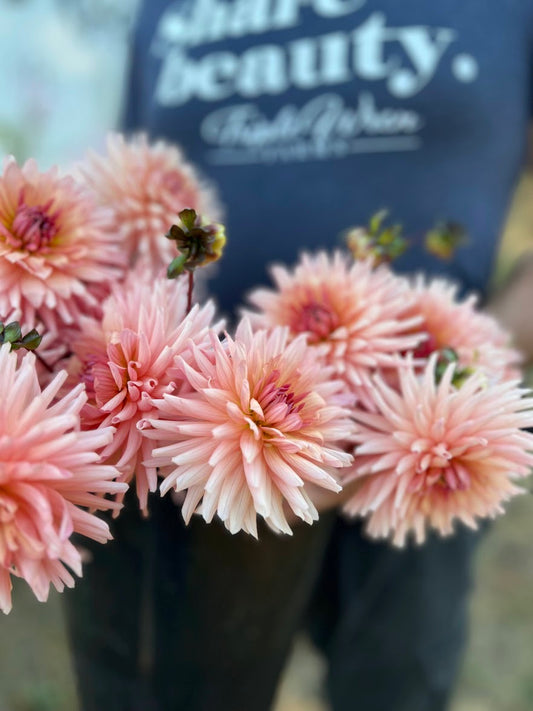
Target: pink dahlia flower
56 258
476 337
433 453
354 315
48 469
263 421
127 359
145 186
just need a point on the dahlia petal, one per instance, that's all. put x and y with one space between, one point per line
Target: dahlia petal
260 486
237 518
311 472
5 591
185 477
277 519
249 446
192 499
220 472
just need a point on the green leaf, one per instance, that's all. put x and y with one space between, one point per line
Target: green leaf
377 220
175 233
31 341
188 217
12 332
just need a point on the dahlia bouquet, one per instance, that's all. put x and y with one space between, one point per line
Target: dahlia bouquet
343 375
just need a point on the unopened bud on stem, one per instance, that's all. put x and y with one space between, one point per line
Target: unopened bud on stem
198 241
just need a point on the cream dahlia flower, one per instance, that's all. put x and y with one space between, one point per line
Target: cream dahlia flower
434 453
263 420
56 257
127 360
476 337
354 315
145 186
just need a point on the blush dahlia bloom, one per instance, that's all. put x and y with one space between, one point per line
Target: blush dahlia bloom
476 337
145 186
263 421
127 359
48 469
56 258
433 453
354 315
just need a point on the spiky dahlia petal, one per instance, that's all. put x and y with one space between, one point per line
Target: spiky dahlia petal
434 453
262 420
48 469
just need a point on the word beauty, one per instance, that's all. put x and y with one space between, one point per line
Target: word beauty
405 58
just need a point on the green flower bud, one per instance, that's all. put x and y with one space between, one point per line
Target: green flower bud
198 241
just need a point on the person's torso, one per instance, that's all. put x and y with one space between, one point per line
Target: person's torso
310 115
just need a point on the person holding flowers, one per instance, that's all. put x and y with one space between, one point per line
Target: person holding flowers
308 116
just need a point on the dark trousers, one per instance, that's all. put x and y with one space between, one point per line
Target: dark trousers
169 618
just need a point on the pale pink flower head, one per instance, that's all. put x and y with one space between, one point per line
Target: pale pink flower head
263 421
48 470
354 315
145 186
127 359
56 256
476 337
434 453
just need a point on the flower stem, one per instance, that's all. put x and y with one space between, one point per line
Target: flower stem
191 287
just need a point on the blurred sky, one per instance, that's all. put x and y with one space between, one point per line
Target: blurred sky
62 64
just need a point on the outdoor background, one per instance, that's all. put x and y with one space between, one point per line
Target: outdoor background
62 63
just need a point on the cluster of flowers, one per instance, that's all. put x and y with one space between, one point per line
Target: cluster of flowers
343 375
